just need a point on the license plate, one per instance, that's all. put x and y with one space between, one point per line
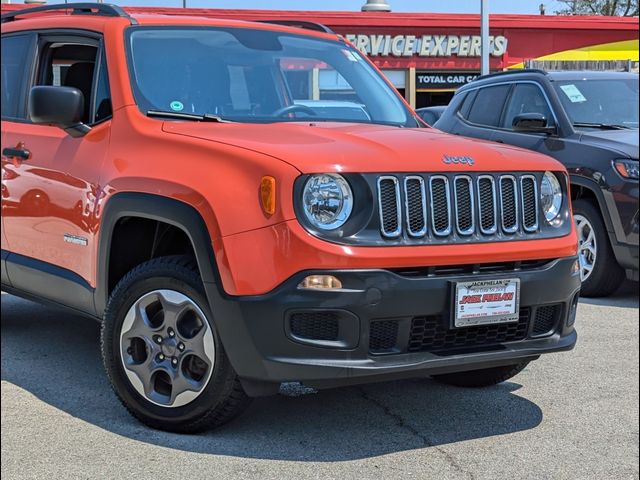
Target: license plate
487 301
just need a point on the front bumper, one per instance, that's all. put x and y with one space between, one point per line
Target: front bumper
264 350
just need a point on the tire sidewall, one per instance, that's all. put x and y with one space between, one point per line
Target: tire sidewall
605 267
133 287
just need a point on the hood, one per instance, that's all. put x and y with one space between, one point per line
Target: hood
623 142
344 147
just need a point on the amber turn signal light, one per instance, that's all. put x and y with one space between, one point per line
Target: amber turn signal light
268 194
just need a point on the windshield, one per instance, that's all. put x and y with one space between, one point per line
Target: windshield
610 102
246 75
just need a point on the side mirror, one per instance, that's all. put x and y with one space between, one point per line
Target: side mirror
532 123
59 106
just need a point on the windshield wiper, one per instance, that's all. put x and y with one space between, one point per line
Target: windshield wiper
207 117
601 126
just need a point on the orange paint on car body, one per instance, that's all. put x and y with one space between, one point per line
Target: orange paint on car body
205 165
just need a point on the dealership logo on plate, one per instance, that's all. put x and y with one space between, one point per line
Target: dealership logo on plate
458 160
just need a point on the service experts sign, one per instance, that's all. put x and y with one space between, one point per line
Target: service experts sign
426 45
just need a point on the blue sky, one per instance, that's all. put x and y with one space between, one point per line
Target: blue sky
450 6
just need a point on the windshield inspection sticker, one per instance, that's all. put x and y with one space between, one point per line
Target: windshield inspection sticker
176 106
572 92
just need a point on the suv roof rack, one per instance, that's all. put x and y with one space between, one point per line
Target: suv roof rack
512 72
103 9
317 27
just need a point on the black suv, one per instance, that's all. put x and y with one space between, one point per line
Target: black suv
589 122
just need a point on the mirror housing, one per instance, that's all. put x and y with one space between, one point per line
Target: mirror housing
532 123
62 107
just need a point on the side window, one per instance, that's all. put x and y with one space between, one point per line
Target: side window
487 107
465 104
103 96
526 98
70 65
15 50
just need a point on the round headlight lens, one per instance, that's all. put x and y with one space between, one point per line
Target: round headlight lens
550 196
327 201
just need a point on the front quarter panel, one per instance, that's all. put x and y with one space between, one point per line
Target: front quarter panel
221 182
145 159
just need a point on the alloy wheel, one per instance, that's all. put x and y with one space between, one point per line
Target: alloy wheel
587 246
167 348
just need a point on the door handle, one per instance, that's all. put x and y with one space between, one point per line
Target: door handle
18 152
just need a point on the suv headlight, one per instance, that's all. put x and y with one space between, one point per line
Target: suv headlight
327 201
628 168
550 196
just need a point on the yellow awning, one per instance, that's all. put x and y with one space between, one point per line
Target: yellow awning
625 50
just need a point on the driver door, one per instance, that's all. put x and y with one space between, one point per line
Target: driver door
51 179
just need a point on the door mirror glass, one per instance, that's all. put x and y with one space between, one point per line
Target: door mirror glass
62 107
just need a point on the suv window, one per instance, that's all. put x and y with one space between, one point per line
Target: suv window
526 98
103 95
15 49
487 107
466 102
69 65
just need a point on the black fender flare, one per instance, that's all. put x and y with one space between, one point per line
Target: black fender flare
153 207
613 225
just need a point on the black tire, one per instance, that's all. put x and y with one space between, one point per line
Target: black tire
481 378
607 275
223 397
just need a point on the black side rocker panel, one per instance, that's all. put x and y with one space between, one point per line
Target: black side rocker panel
5 275
41 281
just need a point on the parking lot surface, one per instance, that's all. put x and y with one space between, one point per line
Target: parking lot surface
567 416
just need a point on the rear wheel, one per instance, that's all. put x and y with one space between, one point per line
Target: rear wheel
599 270
481 378
162 353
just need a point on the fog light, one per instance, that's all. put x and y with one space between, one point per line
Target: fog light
321 282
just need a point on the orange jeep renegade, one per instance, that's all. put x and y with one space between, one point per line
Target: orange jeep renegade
245 204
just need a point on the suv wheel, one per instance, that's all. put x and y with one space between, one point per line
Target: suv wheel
481 378
162 353
599 270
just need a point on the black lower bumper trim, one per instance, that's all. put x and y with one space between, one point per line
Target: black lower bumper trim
263 350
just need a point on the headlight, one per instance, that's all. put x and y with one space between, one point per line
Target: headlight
550 196
628 168
327 201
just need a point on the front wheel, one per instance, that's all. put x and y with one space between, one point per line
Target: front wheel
481 378
599 270
162 353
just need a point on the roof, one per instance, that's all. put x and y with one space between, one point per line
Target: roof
589 75
60 15
553 75
347 19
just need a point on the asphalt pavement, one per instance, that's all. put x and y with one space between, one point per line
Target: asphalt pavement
567 416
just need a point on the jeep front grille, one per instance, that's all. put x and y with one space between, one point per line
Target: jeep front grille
488 205
389 205
439 206
416 206
529 193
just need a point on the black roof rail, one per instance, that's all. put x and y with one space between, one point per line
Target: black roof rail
104 9
512 72
317 27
